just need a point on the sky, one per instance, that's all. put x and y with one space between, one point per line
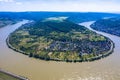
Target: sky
60 5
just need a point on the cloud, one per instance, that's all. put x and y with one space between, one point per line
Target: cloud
10 1
6 0
61 5
18 3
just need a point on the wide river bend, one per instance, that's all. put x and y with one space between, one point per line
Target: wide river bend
105 69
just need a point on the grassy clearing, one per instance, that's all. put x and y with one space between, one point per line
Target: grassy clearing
6 77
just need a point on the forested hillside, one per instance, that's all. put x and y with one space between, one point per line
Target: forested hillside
6 21
110 25
76 17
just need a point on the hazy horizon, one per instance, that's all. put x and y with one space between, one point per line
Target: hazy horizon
111 6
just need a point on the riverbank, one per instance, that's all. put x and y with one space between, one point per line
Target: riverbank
97 57
10 76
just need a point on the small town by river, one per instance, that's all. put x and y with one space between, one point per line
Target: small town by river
35 69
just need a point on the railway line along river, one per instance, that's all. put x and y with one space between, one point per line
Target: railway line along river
35 69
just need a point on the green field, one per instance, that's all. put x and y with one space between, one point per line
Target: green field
4 76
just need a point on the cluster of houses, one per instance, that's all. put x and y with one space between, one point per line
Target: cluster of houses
82 47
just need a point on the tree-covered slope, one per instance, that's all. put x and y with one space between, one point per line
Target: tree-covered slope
6 21
76 17
110 25
59 39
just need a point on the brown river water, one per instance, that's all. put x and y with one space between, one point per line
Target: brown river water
105 69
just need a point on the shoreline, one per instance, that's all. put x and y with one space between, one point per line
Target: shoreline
13 75
49 59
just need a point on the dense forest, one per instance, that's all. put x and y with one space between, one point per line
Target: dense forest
4 21
57 38
109 25
76 17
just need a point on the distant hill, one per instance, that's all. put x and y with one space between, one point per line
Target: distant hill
6 21
76 17
110 25
56 38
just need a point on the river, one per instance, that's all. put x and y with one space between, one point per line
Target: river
35 69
